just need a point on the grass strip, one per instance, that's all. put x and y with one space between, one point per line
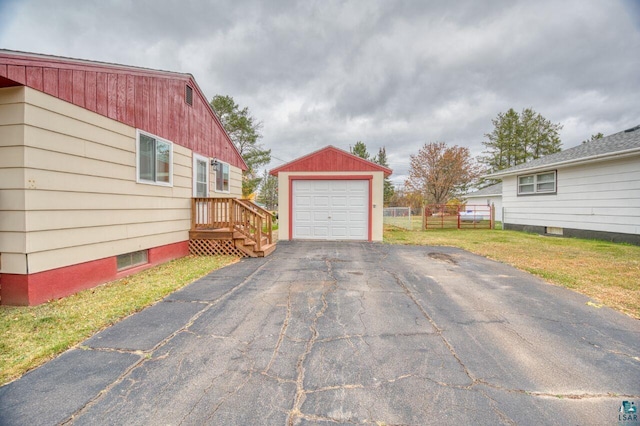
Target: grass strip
607 272
34 334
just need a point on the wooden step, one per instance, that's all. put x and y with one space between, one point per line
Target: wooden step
266 250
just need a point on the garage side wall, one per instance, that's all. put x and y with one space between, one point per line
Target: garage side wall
376 201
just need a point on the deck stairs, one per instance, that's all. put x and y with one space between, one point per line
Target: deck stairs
228 226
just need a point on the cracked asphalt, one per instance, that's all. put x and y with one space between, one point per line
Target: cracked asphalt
347 333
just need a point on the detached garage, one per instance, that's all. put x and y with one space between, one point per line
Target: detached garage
330 195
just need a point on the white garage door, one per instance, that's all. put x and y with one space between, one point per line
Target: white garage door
331 209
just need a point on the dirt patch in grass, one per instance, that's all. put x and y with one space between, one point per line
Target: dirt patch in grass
607 272
33 335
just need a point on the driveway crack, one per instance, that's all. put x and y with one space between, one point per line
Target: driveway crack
434 325
283 332
300 391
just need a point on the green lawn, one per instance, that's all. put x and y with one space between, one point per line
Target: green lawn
607 272
33 335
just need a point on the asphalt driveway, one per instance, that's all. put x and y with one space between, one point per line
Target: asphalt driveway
347 333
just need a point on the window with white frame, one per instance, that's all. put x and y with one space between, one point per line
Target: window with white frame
540 183
200 176
222 176
154 160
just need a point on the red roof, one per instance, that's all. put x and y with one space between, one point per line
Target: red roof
331 159
147 99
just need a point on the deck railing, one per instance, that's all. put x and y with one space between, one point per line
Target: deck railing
243 216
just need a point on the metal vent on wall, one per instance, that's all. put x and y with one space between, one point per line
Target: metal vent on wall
189 95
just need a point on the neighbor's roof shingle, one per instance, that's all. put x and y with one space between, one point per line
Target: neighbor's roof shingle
488 191
618 143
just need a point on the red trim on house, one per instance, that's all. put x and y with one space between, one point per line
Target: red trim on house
33 289
146 99
332 177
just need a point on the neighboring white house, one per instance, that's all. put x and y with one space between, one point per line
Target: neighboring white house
588 191
491 195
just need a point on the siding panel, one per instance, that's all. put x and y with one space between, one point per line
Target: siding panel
65 85
102 98
17 73
78 88
34 78
50 83
90 91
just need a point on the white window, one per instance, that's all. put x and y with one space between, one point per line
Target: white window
222 176
200 176
541 183
154 160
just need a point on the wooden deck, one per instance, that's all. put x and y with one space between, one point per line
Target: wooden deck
228 226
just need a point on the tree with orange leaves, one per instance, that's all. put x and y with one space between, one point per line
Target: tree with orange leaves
439 172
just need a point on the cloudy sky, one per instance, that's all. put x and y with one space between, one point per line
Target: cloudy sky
389 73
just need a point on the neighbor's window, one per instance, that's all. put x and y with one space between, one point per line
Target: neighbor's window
129 260
541 183
155 160
222 176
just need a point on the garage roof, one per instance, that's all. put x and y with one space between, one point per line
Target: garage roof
331 159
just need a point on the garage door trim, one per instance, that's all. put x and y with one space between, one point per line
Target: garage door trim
368 178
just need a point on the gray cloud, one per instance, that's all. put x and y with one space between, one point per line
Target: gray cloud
390 73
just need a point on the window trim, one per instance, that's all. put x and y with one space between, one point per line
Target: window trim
201 158
156 138
215 180
535 183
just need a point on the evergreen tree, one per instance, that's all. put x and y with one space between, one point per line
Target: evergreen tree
244 132
518 138
381 159
360 149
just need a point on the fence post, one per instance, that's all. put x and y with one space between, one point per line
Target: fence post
493 216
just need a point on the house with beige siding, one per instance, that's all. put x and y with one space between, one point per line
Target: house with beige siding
588 191
99 167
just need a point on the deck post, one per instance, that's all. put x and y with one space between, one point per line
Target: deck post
193 214
259 233
231 218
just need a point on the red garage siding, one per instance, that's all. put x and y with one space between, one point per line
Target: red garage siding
330 159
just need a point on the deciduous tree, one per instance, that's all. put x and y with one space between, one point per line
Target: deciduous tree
244 132
439 172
